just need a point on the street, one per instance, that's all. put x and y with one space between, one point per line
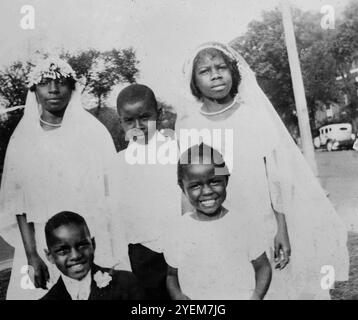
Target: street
338 174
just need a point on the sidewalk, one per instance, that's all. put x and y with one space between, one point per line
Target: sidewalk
338 173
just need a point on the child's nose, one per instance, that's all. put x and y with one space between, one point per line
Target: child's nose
138 124
206 189
215 74
75 254
53 87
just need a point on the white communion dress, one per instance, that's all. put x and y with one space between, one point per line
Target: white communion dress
268 171
45 172
214 257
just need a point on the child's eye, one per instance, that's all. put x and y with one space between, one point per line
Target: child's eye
194 186
62 252
84 245
44 82
61 81
203 71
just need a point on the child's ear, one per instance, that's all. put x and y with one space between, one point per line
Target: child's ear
49 256
93 243
120 119
227 180
160 114
180 184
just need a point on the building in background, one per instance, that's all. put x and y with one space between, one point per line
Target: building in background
346 108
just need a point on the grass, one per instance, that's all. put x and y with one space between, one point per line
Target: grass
347 290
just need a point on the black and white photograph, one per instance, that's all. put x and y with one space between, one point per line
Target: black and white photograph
155 150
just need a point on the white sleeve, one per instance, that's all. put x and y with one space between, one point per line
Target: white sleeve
253 234
12 196
173 242
118 225
274 182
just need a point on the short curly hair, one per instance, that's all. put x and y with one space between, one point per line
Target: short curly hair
63 218
134 93
232 65
195 156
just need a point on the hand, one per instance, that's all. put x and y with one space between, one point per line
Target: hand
282 248
39 274
255 296
181 296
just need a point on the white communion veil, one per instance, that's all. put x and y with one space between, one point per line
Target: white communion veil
45 172
317 234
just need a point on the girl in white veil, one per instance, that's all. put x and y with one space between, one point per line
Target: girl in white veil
52 167
268 175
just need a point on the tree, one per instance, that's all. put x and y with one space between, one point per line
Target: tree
100 71
264 48
344 49
124 64
13 83
82 63
97 71
319 74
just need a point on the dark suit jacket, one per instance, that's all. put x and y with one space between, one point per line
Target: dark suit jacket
123 286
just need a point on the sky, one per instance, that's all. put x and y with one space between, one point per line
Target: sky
162 32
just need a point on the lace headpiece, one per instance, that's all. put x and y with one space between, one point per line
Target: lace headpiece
53 68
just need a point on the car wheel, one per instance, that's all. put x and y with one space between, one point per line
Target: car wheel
329 145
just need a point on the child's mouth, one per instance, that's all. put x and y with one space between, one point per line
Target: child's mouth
208 203
218 88
77 267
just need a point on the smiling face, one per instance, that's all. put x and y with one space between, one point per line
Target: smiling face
205 190
212 75
71 249
139 120
53 96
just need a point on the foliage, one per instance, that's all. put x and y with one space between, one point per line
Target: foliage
319 74
344 49
13 83
82 63
100 71
322 54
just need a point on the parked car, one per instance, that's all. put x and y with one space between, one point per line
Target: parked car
336 136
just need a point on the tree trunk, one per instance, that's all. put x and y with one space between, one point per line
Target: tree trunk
99 104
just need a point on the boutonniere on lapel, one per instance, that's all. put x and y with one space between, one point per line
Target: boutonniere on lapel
102 279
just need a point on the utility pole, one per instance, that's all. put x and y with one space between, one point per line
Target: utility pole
298 88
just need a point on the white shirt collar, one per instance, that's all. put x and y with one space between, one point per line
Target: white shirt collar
158 137
78 289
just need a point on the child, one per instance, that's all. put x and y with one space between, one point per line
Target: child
147 196
210 254
71 249
269 176
57 159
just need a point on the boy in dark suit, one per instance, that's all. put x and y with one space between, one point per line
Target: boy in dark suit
71 249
